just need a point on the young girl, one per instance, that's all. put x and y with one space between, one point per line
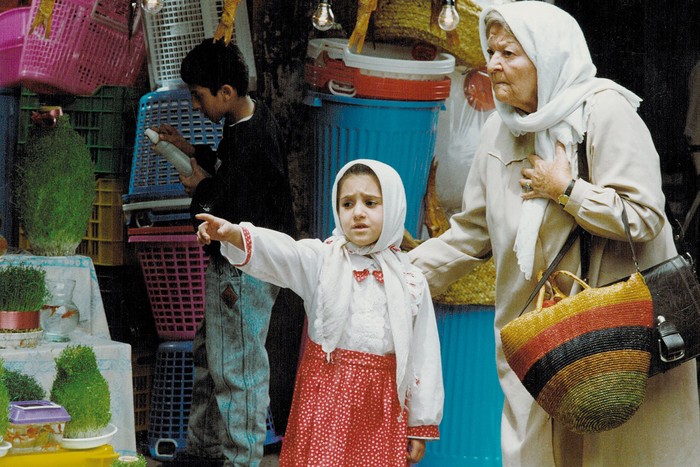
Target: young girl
369 388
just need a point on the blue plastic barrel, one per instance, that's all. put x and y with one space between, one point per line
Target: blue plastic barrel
399 133
9 122
470 432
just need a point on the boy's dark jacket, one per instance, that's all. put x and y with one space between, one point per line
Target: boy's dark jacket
252 182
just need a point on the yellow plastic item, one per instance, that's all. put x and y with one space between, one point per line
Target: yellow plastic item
101 456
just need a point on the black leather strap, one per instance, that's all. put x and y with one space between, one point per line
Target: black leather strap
575 233
586 238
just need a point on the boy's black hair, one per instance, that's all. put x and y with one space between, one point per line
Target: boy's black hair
213 64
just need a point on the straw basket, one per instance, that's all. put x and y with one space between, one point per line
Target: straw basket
410 19
476 288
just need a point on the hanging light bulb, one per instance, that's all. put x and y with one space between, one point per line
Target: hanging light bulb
449 18
152 6
323 17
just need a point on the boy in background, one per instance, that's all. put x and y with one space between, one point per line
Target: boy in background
246 178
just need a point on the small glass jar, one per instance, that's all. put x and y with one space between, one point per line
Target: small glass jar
59 317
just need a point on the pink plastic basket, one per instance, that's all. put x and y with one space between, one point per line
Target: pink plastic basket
88 46
173 268
13 27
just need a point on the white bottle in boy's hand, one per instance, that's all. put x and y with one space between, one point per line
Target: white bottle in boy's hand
171 152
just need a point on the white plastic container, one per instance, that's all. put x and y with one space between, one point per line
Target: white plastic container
384 60
176 157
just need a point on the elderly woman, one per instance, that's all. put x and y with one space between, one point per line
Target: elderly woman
523 197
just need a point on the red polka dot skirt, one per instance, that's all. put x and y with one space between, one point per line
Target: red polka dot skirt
345 412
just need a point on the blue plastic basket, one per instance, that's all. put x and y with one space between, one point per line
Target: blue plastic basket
399 133
152 176
171 398
9 117
470 432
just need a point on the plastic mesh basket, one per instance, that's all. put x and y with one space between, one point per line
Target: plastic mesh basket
171 398
143 367
173 268
88 46
152 176
104 119
104 239
179 27
13 28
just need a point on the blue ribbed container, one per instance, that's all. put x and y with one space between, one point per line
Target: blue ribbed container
9 122
470 432
399 133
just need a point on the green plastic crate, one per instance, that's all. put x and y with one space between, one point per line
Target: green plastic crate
106 120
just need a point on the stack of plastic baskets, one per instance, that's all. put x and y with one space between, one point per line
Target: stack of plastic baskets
181 25
395 120
9 103
90 43
156 196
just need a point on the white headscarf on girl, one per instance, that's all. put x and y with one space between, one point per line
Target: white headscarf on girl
335 285
566 79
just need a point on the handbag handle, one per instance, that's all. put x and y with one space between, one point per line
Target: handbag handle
573 235
626 223
557 292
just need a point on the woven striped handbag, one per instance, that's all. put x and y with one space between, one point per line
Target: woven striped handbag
585 358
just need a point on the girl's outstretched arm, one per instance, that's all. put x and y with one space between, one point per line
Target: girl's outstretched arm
215 228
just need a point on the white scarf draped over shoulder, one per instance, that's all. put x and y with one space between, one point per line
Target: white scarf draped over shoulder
335 283
566 79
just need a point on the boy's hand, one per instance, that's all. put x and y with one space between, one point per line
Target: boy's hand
416 450
171 135
198 174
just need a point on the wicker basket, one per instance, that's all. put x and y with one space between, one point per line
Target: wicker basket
410 19
476 288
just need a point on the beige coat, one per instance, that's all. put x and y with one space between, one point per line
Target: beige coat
624 167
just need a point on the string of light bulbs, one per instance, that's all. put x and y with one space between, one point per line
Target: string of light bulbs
323 18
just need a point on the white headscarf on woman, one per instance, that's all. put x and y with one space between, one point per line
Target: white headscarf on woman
566 79
335 285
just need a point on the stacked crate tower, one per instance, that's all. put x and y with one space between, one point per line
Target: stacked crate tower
156 210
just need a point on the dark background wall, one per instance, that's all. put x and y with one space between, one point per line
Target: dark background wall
650 48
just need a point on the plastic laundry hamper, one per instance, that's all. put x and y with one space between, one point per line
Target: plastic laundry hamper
91 43
13 28
171 400
181 25
399 133
470 432
156 196
152 176
173 267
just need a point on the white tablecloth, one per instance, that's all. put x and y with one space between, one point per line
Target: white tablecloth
113 361
87 290
113 358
